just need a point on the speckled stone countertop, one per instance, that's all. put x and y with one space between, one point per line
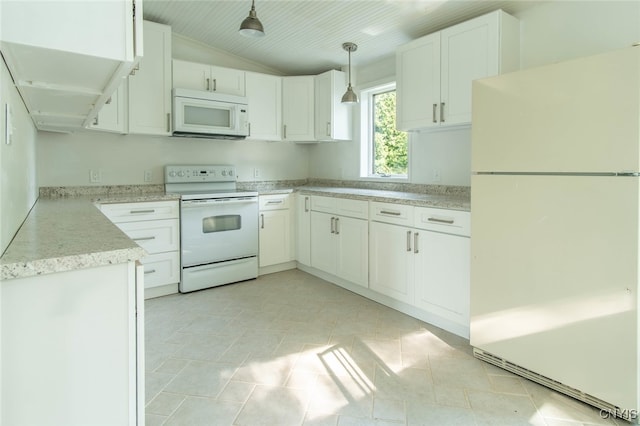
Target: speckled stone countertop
66 231
66 234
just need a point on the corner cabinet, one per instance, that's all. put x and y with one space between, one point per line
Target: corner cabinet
150 84
67 58
142 102
435 72
332 117
298 108
196 76
264 95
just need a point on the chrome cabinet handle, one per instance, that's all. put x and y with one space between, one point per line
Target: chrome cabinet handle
408 240
144 238
274 202
447 221
328 128
435 106
141 211
208 84
306 204
150 271
390 212
262 221
337 225
442 112
415 243
333 225
249 129
215 84
284 131
168 122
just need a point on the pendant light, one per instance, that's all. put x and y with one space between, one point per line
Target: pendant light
349 96
251 26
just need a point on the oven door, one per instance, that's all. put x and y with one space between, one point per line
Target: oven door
218 229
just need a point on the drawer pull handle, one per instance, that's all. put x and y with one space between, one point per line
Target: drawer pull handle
142 211
390 213
274 202
144 238
150 271
447 221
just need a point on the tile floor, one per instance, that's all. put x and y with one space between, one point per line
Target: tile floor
292 349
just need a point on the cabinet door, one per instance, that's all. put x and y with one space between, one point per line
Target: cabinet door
227 80
391 261
113 115
418 83
442 275
150 86
191 75
352 254
275 244
468 51
298 108
303 228
264 93
332 117
323 243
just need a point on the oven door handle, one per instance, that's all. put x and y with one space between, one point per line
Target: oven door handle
218 202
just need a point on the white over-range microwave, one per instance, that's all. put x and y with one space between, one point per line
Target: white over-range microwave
209 115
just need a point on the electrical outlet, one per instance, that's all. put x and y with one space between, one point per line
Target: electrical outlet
148 175
436 175
256 172
95 176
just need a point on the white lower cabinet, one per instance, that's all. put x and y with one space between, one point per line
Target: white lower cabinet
339 243
425 265
155 226
275 230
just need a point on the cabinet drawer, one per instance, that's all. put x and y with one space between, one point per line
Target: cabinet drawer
398 214
323 204
161 269
352 208
441 220
274 202
148 210
155 236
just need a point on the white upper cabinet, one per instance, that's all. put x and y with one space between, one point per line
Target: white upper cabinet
113 115
298 108
435 72
332 117
196 76
68 58
264 94
150 84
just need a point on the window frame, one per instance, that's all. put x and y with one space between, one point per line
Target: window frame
366 134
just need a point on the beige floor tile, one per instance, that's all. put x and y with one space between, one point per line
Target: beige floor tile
201 378
164 404
274 405
197 411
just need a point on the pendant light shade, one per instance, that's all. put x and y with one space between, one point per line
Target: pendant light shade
251 26
349 96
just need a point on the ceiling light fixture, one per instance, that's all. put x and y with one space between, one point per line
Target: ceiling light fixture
251 26
349 96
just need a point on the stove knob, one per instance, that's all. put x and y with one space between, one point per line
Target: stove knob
224 173
230 172
181 173
172 174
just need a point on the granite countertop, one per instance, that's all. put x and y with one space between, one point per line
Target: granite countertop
441 201
66 234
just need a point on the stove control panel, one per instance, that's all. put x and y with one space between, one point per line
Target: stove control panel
199 173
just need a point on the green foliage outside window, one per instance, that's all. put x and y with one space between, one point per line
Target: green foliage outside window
390 145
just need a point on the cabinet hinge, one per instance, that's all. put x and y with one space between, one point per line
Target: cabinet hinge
134 9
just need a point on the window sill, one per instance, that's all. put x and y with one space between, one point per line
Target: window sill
403 179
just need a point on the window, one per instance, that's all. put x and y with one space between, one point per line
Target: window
384 149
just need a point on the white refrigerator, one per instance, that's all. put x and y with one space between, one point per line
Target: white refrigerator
555 226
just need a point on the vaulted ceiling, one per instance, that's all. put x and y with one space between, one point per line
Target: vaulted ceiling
306 36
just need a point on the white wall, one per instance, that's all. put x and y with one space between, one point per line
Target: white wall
18 190
65 160
550 32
